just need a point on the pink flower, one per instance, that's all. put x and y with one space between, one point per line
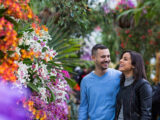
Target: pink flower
127 31
98 28
130 35
35 38
33 66
42 44
66 74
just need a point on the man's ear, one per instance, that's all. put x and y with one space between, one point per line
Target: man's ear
93 57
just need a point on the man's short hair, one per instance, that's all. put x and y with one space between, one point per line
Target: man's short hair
96 47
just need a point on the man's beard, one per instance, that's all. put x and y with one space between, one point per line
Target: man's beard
100 66
103 68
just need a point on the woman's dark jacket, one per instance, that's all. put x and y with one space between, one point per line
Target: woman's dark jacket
136 99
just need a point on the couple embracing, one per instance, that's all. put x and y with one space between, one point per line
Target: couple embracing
109 94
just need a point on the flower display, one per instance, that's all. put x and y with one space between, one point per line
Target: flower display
28 62
36 70
125 4
12 11
8 43
18 8
119 6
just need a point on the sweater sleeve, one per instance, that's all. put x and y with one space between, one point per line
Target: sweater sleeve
146 101
83 108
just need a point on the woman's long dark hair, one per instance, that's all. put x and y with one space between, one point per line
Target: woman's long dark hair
138 63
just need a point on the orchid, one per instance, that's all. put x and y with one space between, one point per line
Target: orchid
48 80
38 44
22 74
18 9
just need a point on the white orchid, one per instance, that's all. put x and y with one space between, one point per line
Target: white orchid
22 74
42 91
41 76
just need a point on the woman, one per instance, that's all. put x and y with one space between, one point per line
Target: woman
134 100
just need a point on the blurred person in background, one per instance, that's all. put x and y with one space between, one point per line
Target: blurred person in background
156 103
81 73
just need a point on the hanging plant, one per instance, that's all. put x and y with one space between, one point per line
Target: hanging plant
125 21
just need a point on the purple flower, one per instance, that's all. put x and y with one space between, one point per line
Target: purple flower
122 2
67 96
106 9
60 76
130 4
54 110
33 66
35 38
86 56
42 44
144 11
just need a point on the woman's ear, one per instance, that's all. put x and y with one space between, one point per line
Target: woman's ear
133 67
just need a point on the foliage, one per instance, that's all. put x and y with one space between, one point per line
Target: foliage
65 27
71 15
134 28
105 20
110 37
144 36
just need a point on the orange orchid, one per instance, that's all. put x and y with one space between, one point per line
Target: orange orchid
9 40
27 54
18 8
44 28
7 70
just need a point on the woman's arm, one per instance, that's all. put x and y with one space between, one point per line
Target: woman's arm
146 101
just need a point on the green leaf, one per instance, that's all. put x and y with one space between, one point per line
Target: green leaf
27 61
52 63
32 86
125 13
12 21
71 82
52 95
52 77
44 49
1 54
23 46
137 17
10 52
3 11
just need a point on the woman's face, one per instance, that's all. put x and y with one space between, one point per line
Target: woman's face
125 64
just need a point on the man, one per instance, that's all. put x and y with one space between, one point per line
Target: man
99 88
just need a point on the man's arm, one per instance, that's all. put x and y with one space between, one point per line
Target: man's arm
83 108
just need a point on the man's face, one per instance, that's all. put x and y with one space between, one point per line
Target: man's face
102 59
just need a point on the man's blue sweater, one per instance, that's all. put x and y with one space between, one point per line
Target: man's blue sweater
98 95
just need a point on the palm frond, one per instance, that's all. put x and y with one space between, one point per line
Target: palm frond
64 40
